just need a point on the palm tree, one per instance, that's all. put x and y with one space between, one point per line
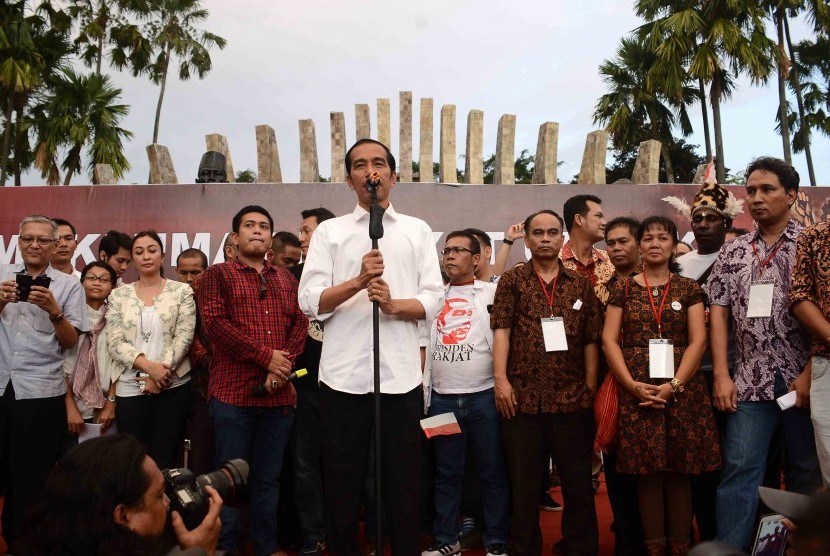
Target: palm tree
636 105
171 32
717 40
101 23
82 111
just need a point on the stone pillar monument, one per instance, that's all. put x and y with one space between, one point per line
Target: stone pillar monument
544 170
592 170
267 155
309 170
102 174
647 166
446 170
505 169
161 165
363 127
338 146
474 163
218 143
385 122
425 147
405 136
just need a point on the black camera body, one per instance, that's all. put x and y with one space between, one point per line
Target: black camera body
187 495
25 283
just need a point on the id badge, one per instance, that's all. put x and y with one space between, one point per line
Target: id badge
553 331
760 300
660 358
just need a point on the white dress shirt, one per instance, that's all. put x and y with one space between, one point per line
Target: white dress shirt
411 271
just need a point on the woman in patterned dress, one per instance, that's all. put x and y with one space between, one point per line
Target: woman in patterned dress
150 325
667 428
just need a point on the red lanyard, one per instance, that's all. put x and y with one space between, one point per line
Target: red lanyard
765 263
658 315
552 295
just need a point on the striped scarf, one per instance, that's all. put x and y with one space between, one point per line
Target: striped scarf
86 381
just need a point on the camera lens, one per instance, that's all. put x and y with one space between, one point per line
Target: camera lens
230 481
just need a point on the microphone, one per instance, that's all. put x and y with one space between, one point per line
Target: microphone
260 390
376 211
372 182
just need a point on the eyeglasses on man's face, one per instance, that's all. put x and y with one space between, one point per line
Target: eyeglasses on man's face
455 250
26 241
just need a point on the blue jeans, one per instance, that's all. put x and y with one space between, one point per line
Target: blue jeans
258 435
745 446
480 424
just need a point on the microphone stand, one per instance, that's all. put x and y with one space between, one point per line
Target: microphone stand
375 233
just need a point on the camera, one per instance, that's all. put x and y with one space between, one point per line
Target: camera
25 283
187 493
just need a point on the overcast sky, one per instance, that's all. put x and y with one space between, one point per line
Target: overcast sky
296 59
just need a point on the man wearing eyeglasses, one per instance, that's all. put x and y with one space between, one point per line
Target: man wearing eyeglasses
34 332
458 379
251 316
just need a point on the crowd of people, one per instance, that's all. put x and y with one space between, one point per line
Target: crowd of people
712 363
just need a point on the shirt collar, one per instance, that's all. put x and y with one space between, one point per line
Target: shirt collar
242 266
531 272
360 213
790 232
597 256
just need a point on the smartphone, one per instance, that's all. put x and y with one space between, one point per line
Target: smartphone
771 539
25 283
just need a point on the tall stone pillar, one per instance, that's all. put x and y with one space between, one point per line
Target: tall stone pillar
446 170
425 147
592 170
505 168
161 165
218 143
405 136
338 147
385 122
309 169
102 174
267 155
363 127
647 166
544 169
474 163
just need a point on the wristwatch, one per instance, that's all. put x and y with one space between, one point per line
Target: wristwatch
676 385
508 241
57 319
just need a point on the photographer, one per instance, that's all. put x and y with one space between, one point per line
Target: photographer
106 497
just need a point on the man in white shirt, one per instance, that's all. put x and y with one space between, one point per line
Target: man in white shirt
343 275
459 376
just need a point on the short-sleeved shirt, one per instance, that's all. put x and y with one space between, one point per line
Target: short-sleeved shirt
811 275
30 354
599 270
766 345
547 382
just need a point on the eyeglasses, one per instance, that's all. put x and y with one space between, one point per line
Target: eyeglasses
263 287
455 250
101 279
26 241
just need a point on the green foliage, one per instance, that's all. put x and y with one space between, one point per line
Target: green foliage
523 167
246 176
685 160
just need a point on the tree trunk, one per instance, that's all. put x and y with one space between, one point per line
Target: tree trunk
161 94
705 112
664 152
74 158
783 116
804 127
716 123
100 54
7 138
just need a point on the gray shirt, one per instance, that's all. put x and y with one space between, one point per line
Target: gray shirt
30 354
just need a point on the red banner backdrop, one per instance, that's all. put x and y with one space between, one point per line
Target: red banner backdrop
199 215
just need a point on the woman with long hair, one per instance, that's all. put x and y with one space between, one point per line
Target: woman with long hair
150 325
667 428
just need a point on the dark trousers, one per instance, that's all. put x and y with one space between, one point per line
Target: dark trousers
200 432
308 464
347 425
158 421
32 438
570 439
625 505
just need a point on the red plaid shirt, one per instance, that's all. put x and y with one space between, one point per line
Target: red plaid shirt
247 315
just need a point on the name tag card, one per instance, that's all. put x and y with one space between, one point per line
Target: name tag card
660 358
760 300
553 331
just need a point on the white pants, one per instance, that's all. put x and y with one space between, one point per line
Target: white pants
820 412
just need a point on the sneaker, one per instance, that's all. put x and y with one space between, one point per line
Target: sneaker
548 504
496 549
442 549
313 547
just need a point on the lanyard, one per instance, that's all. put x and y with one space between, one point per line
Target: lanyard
552 295
658 315
765 263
